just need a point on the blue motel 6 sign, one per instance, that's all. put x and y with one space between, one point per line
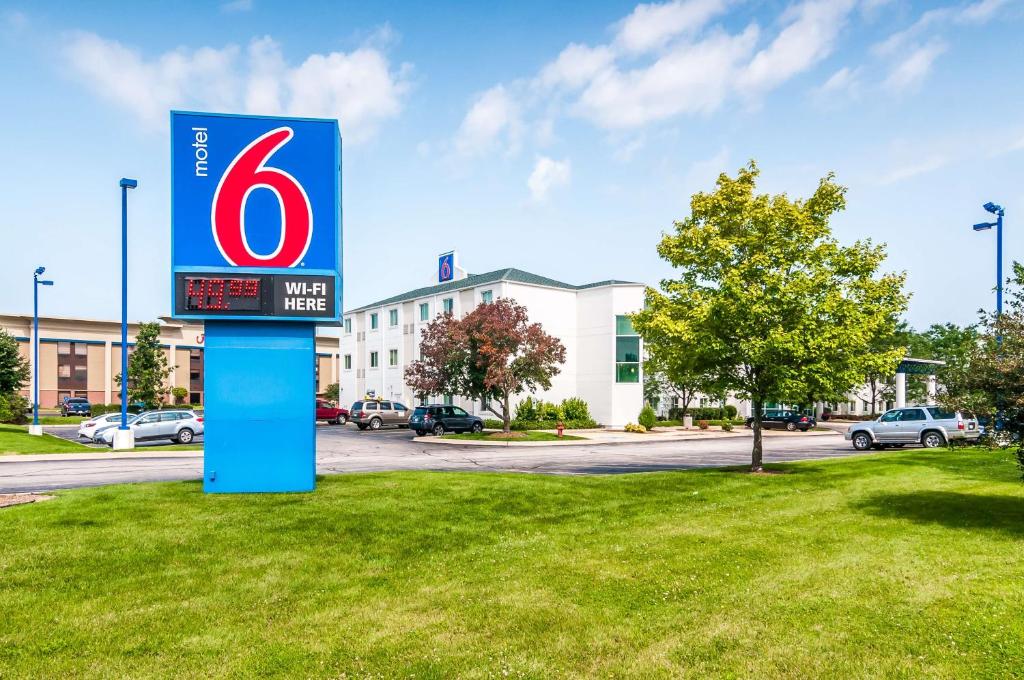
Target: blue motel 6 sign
255 217
256 255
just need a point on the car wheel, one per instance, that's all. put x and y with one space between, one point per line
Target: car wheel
361 426
185 436
420 433
749 424
375 424
861 441
791 427
477 428
438 430
932 440
342 419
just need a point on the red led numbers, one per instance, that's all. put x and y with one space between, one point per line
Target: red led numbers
208 294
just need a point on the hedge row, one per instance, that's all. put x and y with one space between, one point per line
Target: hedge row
494 424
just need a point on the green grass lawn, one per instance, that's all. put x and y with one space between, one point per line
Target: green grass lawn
518 436
900 564
60 420
15 440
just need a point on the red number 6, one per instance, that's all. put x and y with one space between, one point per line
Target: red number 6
247 172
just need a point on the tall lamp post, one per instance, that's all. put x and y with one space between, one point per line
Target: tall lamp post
123 438
36 282
998 211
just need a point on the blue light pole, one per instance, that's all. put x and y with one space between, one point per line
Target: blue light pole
998 211
36 282
126 184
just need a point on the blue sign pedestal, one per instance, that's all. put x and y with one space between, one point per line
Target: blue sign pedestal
260 409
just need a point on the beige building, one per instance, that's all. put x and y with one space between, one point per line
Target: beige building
81 357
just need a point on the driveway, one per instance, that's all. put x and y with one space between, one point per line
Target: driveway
344 449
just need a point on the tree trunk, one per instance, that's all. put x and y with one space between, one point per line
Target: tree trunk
506 414
756 454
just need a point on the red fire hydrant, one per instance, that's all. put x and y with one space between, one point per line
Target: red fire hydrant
561 429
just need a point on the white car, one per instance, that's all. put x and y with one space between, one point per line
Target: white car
87 429
178 425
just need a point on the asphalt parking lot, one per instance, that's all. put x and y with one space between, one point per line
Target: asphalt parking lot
345 449
70 433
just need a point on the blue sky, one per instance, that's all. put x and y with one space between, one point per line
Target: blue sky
560 138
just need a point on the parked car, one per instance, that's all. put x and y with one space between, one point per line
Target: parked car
441 418
325 410
376 413
785 420
929 426
176 425
76 406
88 428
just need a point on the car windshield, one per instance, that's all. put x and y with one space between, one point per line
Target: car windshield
420 410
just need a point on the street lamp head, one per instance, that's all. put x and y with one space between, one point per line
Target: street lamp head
993 208
40 270
983 226
46 283
129 183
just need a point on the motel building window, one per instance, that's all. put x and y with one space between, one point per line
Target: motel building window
448 305
348 325
424 311
393 317
373 360
486 297
392 357
348 362
627 351
373 321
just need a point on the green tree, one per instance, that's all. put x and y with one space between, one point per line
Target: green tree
180 394
147 367
780 307
14 368
674 367
333 393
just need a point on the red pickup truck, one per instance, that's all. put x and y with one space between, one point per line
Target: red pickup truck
325 410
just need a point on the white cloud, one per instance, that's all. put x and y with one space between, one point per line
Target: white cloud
982 11
691 78
548 174
651 26
492 121
914 169
236 6
840 81
914 68
359 87
576 65
809 38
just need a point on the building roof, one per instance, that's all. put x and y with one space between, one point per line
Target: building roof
474 280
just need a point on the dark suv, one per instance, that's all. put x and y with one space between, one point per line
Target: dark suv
784 419
441 418
76 406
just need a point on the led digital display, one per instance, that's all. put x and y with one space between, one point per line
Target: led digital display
209 294
222 294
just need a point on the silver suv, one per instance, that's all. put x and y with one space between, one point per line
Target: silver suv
929 426
181 426
375 413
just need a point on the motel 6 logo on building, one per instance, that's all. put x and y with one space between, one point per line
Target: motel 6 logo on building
255 193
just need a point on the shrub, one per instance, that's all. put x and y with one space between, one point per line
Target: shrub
526 410
13 409
632 427
493 424
730 411
180 394
647 417
575 408
702 424
550 424
726 426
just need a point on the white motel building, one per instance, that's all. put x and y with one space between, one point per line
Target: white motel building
603 353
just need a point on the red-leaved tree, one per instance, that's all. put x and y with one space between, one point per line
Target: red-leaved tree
491 354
